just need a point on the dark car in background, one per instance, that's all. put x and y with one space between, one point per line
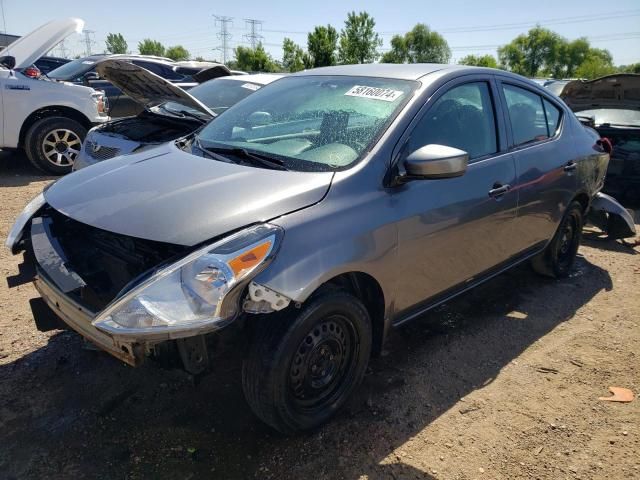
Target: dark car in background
48 64
169 112
83 72
611 105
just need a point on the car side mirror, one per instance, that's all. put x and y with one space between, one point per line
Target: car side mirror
436 161
90 77
8 62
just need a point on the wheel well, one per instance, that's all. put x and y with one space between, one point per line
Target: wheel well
368 291
53 111
583 199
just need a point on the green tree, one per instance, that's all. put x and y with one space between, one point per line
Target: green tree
177 53
529 53
359 41
116 43
257 60
151 47
294 58
321 45
633 68
598 63
420 45
479 61
572 55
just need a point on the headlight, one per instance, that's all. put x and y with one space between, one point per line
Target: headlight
102 102
198 293
18 226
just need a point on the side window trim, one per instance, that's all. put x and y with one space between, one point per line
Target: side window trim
501 141
501 81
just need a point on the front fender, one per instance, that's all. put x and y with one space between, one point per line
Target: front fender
611 217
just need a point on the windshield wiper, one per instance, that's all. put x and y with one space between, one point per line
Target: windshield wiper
183 113
252 157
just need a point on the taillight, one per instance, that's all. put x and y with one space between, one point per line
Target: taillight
31 72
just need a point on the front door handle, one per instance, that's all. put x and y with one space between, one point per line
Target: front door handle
571 166
498 190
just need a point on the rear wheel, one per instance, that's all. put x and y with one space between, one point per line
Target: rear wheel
303 365
557 259
53 143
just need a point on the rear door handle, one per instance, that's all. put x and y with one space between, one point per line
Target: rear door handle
571 166
499 190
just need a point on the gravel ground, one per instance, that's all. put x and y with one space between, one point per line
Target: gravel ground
500 383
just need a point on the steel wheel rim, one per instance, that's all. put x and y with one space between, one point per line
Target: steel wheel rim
567 246
61 147
322 364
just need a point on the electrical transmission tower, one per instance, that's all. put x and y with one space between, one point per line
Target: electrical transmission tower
88 41
253 36
223 34
63 50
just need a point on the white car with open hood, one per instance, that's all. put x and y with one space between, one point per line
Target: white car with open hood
170 112
48 119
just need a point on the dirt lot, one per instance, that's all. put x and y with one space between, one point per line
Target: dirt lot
502 383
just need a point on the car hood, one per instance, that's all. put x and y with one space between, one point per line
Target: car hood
29 48
145 87
612 91
168 195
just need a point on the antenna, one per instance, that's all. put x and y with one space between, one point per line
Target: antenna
88 41
223 34
253 37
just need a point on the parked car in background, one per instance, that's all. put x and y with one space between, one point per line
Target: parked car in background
556 86
47 119
314 216
169 112
83 72
611 105
47 64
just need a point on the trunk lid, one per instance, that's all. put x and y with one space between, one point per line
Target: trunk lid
613 91
146 87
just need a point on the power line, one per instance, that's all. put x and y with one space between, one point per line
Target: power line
254 37
62 49
88 41
223 34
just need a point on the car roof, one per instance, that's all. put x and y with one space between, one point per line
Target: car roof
412 71
260 78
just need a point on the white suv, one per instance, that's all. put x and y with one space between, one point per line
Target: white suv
48 119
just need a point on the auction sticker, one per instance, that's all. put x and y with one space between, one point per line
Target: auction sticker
250 86
386 94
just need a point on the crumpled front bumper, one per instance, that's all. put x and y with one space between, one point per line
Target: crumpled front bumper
79 319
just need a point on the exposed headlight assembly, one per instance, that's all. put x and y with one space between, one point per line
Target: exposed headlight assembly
196 294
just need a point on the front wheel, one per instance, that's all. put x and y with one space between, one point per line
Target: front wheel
53 143
557 259
304 364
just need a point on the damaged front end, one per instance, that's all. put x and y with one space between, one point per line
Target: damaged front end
611 217
131 297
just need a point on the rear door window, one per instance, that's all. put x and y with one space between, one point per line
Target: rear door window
532 117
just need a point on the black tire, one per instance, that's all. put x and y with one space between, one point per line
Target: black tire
330 337
44 150
557 259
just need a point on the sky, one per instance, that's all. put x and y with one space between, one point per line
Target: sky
469 27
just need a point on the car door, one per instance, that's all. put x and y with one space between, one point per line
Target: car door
453 230
544 154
